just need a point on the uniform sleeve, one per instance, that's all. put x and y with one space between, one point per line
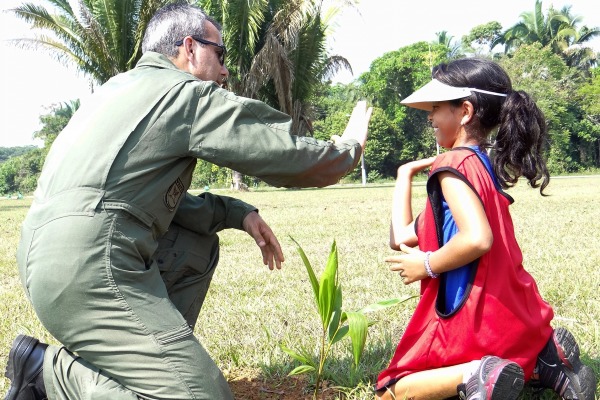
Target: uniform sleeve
250 137
208 214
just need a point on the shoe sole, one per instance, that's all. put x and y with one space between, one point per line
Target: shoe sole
577 372
504 382
22 347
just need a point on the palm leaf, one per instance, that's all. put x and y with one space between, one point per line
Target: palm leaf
302 369
357 323
311 273
336 315
328 287
383 304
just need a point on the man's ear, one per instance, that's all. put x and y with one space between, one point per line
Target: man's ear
188 47
185 55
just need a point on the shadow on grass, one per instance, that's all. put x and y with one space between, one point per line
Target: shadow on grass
4 207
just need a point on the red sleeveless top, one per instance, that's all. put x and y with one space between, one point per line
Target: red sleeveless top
502 313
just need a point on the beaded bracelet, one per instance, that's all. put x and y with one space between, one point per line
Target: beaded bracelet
428 267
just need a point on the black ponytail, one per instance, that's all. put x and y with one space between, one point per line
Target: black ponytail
521 142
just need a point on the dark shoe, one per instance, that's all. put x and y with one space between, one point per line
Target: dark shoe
560 369
24 369
495 379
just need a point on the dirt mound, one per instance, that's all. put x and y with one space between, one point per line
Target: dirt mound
250 385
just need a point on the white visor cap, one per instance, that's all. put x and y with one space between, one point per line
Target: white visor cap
436 91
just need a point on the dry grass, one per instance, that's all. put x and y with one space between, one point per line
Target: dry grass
250 310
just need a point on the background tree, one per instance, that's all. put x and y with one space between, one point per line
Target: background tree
334 105
20 174
279 53
479 39
553 85
454 47
391 78
55 121
8 152
589 93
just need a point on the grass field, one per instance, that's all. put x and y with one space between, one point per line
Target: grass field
250 310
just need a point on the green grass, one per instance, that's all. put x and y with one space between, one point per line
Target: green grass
250 310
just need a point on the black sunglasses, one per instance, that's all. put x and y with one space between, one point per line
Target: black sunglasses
222 52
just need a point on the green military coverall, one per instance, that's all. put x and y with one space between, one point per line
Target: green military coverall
116 257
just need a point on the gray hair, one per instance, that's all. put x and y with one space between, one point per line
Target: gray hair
172 23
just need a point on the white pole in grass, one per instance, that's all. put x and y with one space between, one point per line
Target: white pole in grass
363 170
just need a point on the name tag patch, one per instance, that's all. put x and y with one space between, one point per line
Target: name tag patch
174 193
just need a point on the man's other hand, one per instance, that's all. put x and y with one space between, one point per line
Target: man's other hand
264 237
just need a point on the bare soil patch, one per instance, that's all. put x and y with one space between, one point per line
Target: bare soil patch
250 385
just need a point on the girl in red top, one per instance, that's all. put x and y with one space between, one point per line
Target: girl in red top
481 328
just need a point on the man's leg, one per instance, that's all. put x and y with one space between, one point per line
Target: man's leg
187 262
95 287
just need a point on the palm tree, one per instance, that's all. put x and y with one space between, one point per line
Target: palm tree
559 30
454 49
54 122
277 53
101 38
533 27
572 43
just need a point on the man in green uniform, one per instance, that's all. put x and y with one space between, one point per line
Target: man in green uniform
115 256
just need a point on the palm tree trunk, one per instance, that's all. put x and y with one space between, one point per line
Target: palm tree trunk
237 181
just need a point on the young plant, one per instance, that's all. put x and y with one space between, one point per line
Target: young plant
335 323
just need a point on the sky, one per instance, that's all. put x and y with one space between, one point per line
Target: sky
32 81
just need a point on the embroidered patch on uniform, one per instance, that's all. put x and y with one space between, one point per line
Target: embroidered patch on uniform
174 193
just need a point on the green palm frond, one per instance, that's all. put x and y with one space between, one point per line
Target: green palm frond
277 51
100 37
242 22
559 30
335 64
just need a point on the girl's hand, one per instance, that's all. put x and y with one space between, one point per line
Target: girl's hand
410 169
402 228
411 265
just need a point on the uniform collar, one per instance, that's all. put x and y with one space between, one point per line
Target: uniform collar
156 60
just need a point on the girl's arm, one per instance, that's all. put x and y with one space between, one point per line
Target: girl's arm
473 239
402 229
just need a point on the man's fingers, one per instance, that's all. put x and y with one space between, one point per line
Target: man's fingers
271 257
271 250
264 238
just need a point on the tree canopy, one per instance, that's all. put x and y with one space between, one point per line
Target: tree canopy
277 54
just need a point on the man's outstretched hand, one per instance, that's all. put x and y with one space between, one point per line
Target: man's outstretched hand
358 124
264 237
